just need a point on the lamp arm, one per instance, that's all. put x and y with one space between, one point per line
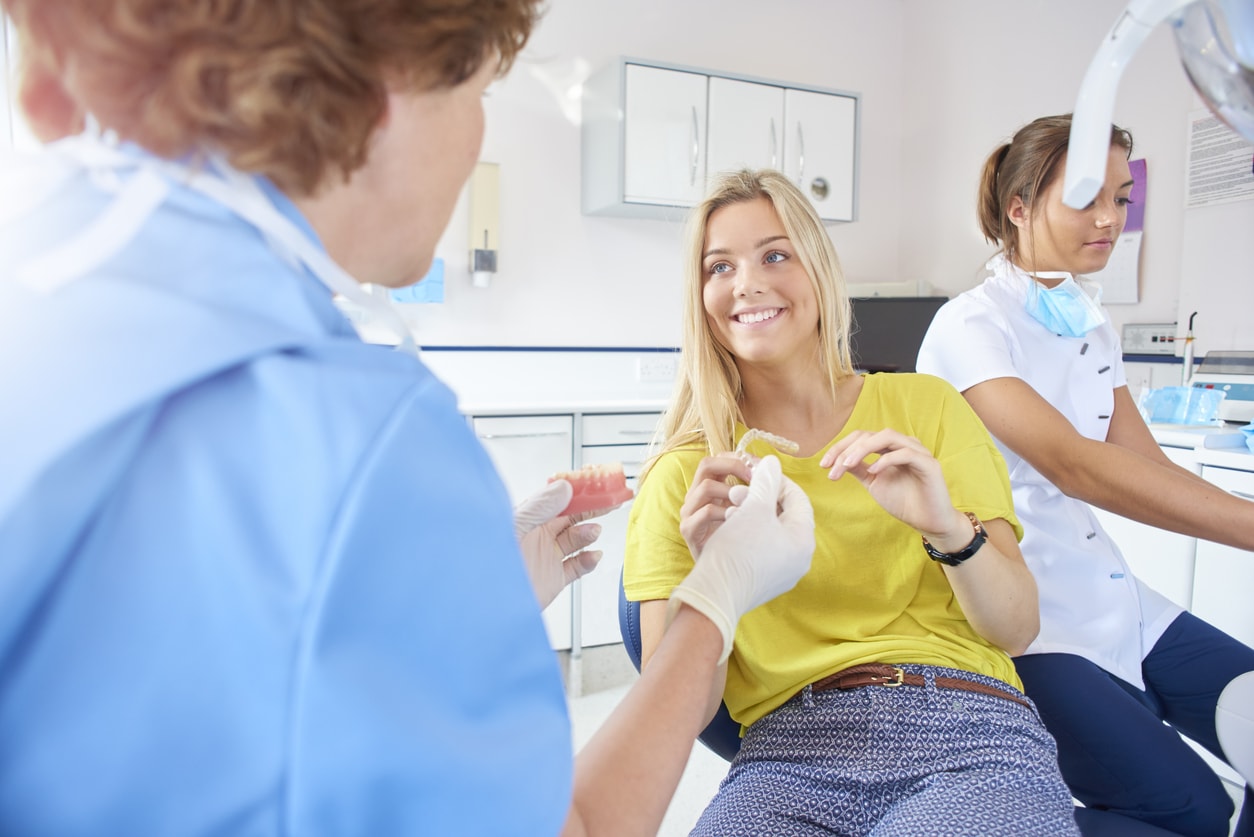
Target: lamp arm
1089 142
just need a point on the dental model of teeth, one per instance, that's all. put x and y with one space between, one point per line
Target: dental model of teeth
596 487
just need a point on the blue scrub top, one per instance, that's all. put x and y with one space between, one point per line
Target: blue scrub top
256 576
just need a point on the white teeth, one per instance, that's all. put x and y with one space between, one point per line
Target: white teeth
757 316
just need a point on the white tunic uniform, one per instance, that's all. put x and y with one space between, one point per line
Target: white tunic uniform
1091 604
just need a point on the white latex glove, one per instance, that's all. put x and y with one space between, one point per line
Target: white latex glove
760 551
547 540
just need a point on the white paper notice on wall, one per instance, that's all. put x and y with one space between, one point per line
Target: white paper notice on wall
1221 162
1118 278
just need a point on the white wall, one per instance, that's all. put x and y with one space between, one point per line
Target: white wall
6 97
982 68
941 82
568 280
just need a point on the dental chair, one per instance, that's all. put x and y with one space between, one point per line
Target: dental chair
1234 723
722 735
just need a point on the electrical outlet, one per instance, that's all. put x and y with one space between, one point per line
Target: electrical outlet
1150 339
656 368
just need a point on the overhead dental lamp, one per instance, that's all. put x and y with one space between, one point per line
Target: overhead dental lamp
1216 43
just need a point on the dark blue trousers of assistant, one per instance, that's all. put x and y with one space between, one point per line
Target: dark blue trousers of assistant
1113 747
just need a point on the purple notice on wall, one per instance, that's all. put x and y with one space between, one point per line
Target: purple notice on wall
1136 210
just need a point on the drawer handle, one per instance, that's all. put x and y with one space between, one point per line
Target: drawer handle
1243 494
545 435
635 433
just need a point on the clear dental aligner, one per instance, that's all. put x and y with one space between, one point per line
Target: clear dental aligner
780 444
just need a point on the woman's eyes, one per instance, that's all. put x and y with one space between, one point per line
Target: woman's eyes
773 257
1124 201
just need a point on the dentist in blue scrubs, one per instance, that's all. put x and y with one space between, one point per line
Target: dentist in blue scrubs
256 576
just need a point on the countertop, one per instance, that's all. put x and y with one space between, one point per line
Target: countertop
562 407
1242 459
1205 449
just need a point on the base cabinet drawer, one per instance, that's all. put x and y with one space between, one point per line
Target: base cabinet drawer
624 438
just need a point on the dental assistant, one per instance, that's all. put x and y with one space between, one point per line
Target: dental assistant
1035 355
257 576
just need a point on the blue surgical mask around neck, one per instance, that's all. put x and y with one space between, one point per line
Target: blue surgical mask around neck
1067 308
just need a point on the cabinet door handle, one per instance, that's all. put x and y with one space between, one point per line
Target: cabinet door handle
1247 496
696 149
801 155
635 433
524 435
774 146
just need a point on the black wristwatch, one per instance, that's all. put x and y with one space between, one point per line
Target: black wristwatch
953 559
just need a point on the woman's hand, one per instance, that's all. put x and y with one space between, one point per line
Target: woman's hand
710 497
995 588
906 480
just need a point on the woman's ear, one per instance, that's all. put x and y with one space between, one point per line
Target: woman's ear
1017 212
50 109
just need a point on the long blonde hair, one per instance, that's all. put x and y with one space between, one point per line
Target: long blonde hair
706 404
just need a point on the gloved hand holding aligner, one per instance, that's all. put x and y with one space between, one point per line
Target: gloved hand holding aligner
757 554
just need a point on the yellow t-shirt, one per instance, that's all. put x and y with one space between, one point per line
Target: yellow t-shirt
872 593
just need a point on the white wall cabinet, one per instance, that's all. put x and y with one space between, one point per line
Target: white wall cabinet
1225 574
746 125
654 134
820 150
664 129
527 450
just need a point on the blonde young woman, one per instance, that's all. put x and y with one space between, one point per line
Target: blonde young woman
1035 355
879 693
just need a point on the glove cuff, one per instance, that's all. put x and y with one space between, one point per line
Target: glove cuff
711 610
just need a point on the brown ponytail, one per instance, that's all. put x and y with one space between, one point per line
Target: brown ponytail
1025 167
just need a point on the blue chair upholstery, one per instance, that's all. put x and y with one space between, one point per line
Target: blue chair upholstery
722 736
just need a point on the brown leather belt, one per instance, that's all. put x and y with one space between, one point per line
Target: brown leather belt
883 674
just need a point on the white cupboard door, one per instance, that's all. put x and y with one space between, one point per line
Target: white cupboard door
611 437
599 603
527 450
1225 575
664 125
819 149
746 126
1161 559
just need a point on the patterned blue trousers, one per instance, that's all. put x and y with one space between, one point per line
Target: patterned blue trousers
910 761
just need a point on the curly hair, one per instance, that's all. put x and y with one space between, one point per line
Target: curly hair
292 89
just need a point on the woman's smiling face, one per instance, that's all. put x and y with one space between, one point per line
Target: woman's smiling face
759 300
